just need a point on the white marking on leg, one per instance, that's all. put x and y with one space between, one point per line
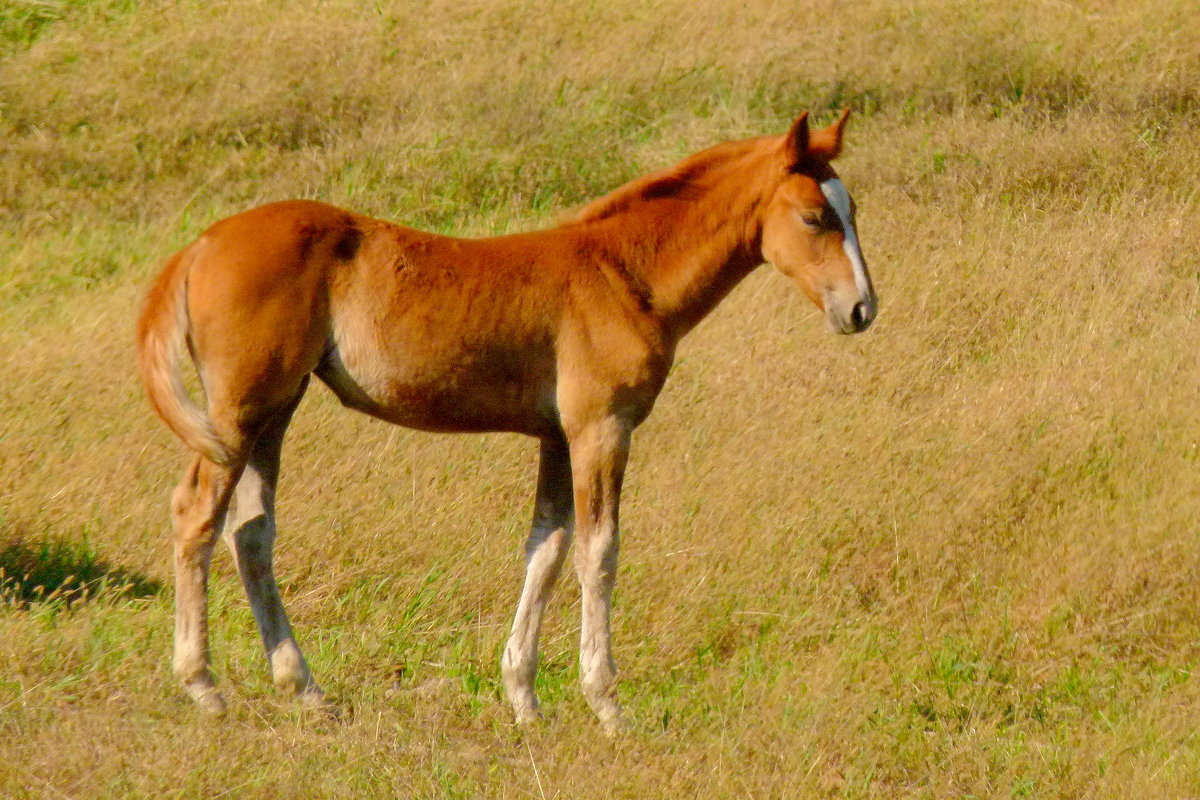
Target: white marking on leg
597 565
191 659
250 533
546 551
197 507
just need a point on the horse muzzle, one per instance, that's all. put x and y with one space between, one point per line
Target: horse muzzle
854 315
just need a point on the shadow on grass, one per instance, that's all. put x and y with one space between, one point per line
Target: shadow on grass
65 573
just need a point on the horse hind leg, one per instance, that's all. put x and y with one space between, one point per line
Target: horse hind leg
250 534
198 508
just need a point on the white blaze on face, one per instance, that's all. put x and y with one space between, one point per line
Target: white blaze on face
839 200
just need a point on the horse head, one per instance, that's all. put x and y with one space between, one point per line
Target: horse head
809 230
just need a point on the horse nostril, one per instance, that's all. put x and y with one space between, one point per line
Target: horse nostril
860 316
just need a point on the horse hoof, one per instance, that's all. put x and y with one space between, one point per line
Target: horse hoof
527 716
314 699
615 725
209 699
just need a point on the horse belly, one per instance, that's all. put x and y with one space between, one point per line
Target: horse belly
446 390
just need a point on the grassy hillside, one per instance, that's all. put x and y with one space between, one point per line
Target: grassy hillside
956 556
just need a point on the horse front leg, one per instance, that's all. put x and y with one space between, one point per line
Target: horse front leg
598 456
545 551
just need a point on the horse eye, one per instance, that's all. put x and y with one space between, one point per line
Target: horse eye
811 219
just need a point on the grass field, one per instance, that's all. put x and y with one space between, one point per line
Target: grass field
957 556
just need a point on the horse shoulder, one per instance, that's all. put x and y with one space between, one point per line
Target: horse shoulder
612 356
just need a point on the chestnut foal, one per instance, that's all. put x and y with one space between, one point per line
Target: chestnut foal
565 334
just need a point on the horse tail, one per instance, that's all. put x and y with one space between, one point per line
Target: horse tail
162 338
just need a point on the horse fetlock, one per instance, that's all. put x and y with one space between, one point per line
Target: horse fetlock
519 672
526 710
599 686
190 663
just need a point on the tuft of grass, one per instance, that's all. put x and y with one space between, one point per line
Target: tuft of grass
23 22
58 573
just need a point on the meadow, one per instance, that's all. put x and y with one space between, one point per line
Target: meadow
956 556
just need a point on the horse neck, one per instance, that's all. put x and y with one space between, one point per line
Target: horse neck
687 253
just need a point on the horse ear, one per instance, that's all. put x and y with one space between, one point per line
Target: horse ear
826 143
795 143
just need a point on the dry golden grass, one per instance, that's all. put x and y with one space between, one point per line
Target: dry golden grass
956 556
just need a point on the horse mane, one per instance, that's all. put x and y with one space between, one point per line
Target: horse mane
677 182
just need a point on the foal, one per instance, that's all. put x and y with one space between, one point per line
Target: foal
565 334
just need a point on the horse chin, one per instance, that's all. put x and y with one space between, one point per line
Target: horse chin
839 324
837 313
